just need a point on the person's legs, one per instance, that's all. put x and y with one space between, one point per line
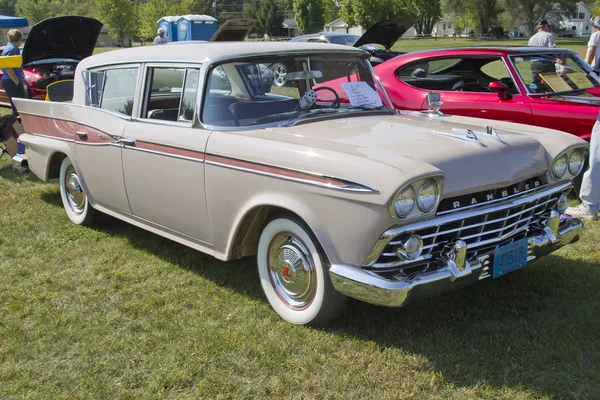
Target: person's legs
13 91
590 186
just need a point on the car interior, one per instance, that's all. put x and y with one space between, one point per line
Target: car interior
458 74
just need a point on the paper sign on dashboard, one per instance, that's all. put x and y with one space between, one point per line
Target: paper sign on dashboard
361 94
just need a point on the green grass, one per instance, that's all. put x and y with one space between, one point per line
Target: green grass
114 312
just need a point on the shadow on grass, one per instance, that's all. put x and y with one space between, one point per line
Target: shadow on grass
7 173
535 329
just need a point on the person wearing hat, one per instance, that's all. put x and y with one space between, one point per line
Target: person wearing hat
161 38
543 37
593 50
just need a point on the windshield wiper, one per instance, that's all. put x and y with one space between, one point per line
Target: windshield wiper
574 91
309 114
369 107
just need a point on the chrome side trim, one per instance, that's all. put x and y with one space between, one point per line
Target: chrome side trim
160 153
350 186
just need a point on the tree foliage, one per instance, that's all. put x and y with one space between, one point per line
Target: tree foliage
147 15
484 12
268 17
119 16
425 13
309 15
529 12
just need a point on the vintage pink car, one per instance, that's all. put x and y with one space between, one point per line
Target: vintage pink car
546 87
334 199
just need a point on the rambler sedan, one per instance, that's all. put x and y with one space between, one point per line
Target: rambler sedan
333 198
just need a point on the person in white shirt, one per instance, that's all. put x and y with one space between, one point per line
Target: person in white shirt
593 50
161 38
543 37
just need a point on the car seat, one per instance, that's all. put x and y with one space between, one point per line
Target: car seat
60 91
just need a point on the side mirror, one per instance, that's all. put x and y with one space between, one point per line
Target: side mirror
499 88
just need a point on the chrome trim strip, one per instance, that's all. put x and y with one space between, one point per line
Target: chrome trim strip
492 201
350 187
52 137
160 153
116 144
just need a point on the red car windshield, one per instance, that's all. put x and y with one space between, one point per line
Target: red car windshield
554 73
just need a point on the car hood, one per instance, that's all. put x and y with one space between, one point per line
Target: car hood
234 30
69 37
417 145
385 32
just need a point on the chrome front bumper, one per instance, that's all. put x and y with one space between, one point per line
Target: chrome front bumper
367 285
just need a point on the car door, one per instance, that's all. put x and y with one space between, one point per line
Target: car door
111 97
463 86
163 153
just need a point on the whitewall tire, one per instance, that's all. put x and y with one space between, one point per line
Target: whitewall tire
294 275
74 199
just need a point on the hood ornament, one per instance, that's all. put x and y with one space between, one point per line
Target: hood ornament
462 134
492 132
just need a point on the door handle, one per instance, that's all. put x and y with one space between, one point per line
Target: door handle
127 141
81 134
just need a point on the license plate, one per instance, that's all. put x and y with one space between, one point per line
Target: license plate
510 257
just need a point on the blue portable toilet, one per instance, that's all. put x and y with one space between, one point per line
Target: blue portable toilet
170 25
196 27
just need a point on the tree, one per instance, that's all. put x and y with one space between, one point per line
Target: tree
529 12
484 12
34 10
193 7
367 12
309 15
118 16
269 17
148 14
426 13
347 13
251 10
7 7
331 10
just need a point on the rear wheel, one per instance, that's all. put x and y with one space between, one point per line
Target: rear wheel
74 199
294 274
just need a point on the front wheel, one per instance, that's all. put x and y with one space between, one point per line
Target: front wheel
294 275
74 199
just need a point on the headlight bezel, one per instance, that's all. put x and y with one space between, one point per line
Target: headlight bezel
416 186
566 155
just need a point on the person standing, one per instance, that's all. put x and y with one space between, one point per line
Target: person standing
593 50
161 38
13 79
590 186
543 37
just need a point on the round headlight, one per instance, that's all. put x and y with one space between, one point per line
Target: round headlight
411 249
576 162
427 195
404 202
559 168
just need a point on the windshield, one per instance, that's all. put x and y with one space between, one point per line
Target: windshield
554 73
265 90
348 40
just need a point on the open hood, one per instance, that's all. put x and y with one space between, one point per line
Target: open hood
73 37
234 30
385 32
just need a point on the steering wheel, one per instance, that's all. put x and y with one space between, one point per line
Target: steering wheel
336 102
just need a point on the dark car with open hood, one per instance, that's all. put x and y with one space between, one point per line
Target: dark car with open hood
377 40
53 49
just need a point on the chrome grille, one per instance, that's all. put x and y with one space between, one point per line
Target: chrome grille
482 229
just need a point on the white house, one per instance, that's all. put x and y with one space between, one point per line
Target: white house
340 26
577 25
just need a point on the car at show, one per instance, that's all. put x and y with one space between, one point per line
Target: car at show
546 87
334 199
52 51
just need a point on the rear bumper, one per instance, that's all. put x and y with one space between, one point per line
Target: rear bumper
368 286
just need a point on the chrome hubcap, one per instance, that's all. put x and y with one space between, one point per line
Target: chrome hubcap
74 191
292 271
280 74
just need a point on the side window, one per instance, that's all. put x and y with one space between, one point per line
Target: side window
170 94
119 90
495 69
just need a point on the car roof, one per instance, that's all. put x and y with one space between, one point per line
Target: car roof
494 50
196 52
327 34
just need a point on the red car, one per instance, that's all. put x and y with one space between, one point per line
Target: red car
53 49
546 87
